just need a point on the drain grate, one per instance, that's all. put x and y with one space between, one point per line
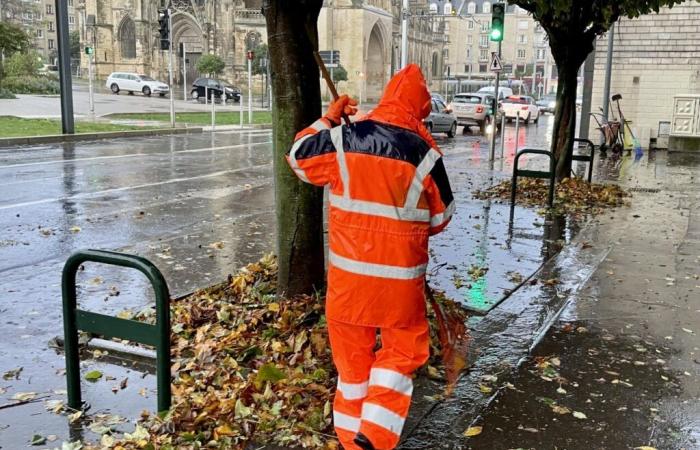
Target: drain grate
647 190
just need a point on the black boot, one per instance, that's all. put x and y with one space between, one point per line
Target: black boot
363 442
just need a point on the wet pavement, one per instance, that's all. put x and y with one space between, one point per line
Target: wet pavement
201 206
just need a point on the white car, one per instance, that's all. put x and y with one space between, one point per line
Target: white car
133 82
520 105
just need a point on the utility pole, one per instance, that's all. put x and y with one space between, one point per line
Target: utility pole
498 11
170 68
492 147
89 52
588 69
251 55
608 72
404 33
64 73
184 72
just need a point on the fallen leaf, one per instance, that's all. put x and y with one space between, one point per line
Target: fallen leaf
472 431
485 389
93 375
12 374
75 229
560 409
37 440
72 418
644 447
579 415
24 396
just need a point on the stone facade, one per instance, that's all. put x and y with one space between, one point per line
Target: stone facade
655 57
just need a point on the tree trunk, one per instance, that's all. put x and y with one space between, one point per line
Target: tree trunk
565 118
297 104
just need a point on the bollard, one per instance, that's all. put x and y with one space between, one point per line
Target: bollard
503 134
206 94
213 113
517 131
240 114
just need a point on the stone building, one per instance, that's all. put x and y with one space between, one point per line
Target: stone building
525 50
655 57
124 34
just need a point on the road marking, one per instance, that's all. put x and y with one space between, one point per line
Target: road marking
127 188
96 158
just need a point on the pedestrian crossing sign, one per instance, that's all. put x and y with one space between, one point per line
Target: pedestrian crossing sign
496 65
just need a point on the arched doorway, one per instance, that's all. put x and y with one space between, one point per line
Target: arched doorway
186 30
376 64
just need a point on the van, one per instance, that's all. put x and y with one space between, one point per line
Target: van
503 91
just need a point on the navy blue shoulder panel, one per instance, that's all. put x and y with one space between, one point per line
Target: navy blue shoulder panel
315 145
378 139
439 175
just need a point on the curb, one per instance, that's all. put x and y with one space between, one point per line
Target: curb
53 138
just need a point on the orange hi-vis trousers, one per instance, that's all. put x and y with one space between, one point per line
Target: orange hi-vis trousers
374 388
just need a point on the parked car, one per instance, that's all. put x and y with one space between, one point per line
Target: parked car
132 82
547 104
473 109
436 96
503 91
441 119
211 86
520 105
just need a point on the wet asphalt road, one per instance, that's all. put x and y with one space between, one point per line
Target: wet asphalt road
199 207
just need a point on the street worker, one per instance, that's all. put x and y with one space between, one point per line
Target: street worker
388 193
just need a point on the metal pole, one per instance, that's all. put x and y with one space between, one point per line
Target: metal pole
517 130
588 69
213 112
170 68
184 73
492 149
503 133
240 113
90 84
250 91
608 73
404 33
269 88
64 73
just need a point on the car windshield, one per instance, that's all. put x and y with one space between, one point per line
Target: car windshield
146 78
521 100
473 99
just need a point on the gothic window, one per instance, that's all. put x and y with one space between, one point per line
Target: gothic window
127 38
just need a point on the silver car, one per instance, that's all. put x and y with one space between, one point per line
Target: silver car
473 109
441 119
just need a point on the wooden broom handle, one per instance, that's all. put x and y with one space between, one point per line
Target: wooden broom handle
329 82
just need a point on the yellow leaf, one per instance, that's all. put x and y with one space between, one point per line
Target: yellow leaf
485 389
274 307
645 448
472 431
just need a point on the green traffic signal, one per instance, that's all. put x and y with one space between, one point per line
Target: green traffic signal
498 15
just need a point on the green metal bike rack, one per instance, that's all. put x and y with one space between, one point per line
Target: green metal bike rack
586 158
517 172
74 319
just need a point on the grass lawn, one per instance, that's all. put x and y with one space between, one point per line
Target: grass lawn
198 118
11 126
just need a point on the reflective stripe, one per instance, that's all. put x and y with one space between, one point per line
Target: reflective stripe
346 422
376 270
383 417
319 125
391 379
293 158
378 209
352 391
440 218
337 139
422 171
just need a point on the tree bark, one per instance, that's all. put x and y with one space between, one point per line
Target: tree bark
565 118
297 104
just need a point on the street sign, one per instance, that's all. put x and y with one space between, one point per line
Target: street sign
251 55
496 65
331 58
508 68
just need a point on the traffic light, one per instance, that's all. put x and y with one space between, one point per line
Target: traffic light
164 29
498 18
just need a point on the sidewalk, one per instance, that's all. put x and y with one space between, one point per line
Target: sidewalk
619 369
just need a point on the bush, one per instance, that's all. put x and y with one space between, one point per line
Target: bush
6 94
19 64
31 85
211 65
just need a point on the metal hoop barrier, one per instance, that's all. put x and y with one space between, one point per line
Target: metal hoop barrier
517 172
74 319
586 158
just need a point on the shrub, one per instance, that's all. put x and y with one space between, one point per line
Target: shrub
6 94
210 64
31 85
19 64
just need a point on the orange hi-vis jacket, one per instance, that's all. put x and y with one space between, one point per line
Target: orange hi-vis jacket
388 193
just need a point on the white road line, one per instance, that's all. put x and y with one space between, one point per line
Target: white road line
127 188
96 158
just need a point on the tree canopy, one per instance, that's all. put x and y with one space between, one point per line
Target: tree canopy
211 64
12 39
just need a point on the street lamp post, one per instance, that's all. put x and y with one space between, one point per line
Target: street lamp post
404 33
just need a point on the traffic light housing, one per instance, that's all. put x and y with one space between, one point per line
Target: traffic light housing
164 29
498 19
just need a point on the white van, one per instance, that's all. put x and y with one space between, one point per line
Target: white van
503 91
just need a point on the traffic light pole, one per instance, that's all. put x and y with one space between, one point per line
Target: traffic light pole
90 86
64 72
170 69
494 127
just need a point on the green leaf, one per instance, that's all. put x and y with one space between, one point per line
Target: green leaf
268 372
37 439
93 375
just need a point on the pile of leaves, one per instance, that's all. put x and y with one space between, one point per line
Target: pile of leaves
572 195
248 367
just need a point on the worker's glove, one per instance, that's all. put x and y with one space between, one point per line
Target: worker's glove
345 105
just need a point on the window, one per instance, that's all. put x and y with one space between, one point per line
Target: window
522 39
50 25
538 28
485 25
483 41
522 24
482 68
470 25
521 53
469 53
467 68
486 8
40 33
70 2
541 53
471 8
127 38
71 20
49 9
483 54
50 44
470 39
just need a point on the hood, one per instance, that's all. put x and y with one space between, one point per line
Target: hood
405 103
